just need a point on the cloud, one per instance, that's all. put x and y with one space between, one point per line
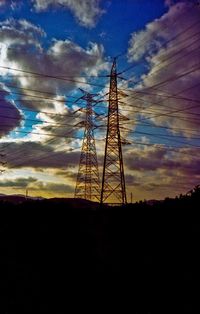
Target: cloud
13 4
156 157
38 155
66 174
157 171
169 46
22 49
10 116
54 188
18 33
20 183
34 185
147 42
169 3
148 159
86 12
2 3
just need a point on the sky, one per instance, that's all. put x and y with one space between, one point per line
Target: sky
51 50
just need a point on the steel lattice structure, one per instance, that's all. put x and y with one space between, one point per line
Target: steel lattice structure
113 181
88 183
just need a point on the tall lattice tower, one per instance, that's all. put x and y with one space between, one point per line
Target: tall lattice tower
88 184
113 181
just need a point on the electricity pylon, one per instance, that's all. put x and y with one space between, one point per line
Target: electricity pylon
113 181
88 184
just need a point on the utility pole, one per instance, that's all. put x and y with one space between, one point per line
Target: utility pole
88 184
113 181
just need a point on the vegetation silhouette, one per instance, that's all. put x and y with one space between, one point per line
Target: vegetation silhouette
49 245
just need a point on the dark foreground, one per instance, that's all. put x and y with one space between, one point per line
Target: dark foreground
57 255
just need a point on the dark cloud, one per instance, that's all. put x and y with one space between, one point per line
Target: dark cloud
37 155
182 162
132 180
66 174
57 188
36 185
10 116
150 159
17 183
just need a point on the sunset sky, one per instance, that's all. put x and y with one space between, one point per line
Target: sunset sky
50 49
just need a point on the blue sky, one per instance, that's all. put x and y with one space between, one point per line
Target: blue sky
119 20
77 40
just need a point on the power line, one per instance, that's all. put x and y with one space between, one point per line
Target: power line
41 157
20 151
47 134
171 147
171 137
68 115
46 92
50 76
169 96
51 127
73 137
169 128
39 91
71 114
38 97
50 141
168 113
30 132
170 79
42 121
178 59
44 134
164 43
181 75
174 78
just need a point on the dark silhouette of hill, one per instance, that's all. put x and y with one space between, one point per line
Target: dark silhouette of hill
52 249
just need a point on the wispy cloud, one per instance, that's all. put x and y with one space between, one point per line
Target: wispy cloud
87 12
11 4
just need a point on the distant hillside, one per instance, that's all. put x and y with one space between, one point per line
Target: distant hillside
17 199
